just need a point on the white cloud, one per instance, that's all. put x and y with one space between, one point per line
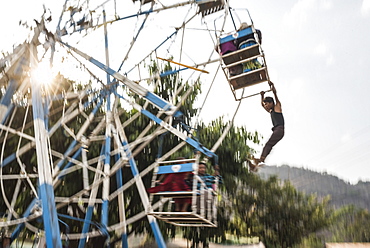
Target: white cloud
345 138
365 7
325 4
297 85
298 14
330 60
303 10
320 49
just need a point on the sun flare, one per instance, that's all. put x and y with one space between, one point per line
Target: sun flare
43 74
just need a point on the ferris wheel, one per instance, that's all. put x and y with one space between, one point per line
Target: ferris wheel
68 152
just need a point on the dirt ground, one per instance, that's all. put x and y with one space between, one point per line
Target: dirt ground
177 243
182 243
137 241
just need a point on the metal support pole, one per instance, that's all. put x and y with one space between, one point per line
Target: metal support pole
121 202
108 134
143 195
49 213
5 102
90 207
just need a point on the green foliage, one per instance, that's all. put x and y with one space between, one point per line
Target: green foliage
313 241
231 156
351 224
277 213
348 224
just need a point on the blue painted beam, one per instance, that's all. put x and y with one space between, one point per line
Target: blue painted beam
175 168
5 102
198 146
237 35
143 195
138 89
108 135
49 212
89 212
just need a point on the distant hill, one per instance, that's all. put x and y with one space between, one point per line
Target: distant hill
322 184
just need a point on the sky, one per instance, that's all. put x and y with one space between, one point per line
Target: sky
317 55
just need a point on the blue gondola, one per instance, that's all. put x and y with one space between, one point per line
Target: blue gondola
243 60
203 209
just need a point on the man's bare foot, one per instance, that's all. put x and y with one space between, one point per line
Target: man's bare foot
257 160
252 167
261 164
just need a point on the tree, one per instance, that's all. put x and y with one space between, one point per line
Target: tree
278 213
231 155
350 224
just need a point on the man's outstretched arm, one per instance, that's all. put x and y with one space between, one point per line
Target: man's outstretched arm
262 98
277 101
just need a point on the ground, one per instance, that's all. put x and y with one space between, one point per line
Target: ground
182 243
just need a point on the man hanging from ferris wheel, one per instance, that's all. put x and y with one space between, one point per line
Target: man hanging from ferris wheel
275 110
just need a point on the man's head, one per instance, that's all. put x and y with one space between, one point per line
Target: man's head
268 102
202 168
